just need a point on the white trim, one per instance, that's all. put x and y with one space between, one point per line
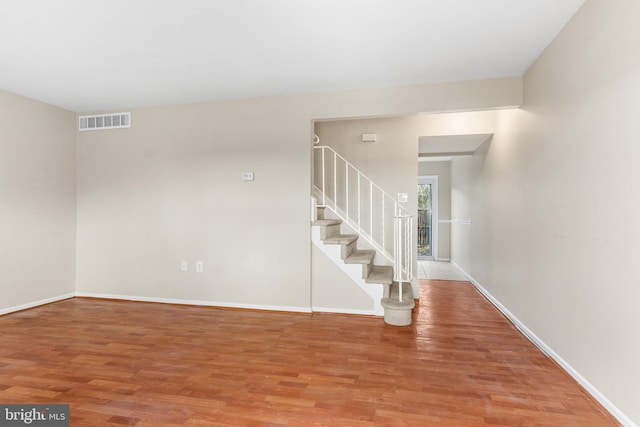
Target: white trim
455 221
195 302
342 311
35 304
617 413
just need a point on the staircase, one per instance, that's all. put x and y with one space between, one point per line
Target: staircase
389 286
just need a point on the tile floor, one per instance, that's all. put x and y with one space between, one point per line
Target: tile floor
438 270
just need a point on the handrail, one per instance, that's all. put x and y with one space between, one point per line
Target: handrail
323 147
341 190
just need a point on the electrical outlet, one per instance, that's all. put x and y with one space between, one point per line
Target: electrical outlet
199 267
183 266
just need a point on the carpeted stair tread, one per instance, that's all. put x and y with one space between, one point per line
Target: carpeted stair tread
343 239
326 222
380 274
360 257
393 301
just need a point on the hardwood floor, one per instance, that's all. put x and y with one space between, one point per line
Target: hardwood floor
128 363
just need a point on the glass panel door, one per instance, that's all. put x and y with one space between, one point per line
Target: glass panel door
425 224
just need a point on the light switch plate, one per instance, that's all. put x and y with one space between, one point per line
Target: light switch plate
403 197
247 176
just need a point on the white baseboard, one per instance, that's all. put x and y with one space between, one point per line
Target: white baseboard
35 304
195 302
343 311
626 421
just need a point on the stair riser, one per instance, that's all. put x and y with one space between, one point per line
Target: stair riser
347 250
366 269
386 291
320 213
329 231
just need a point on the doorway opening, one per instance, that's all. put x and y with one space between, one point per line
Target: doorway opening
427 235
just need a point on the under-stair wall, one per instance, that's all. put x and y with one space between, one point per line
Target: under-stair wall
332 290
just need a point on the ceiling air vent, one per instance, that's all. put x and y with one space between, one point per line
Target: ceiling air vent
105 121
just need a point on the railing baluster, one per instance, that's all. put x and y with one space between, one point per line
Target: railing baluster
359 221
404 251
400 253
396 273
324 192
410 247
335 181
346 188
371 209
384 247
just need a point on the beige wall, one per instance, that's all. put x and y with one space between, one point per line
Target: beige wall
443 171
468 203
333 290
37 201
170 189
555 203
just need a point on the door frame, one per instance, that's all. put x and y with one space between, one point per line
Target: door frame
433 180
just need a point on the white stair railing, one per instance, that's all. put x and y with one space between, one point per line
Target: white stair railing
377 217
403 225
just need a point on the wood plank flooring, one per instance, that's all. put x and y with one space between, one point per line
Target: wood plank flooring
128 363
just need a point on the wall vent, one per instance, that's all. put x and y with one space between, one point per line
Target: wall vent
105 121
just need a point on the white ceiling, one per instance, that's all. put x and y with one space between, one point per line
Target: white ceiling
86 55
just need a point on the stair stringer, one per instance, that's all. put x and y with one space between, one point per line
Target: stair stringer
354 271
